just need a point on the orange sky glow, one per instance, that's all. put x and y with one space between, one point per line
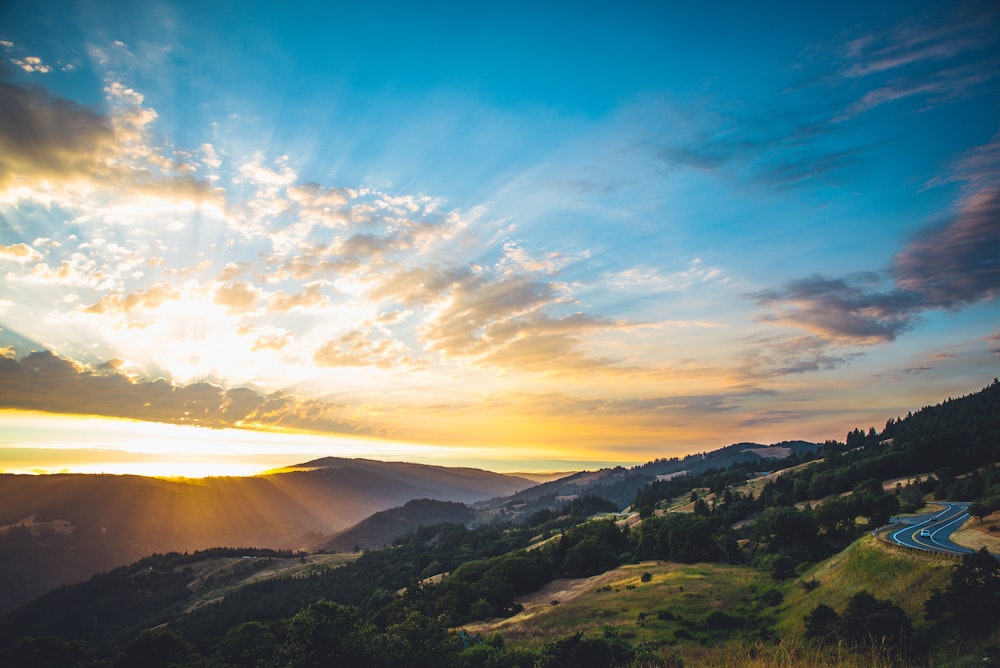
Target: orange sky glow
240 243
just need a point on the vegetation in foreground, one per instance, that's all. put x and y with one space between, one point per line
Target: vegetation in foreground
758 579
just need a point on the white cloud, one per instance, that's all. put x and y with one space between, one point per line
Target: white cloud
20 253
31 64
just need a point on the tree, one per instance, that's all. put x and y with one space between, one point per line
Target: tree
868 620
971 598
324 633
979 511
873 503
577 652
28 652
248 645
156 649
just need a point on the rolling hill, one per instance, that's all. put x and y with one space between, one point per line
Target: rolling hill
56 529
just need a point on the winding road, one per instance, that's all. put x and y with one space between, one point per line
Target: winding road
931 531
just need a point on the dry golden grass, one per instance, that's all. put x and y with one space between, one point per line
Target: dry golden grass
975 535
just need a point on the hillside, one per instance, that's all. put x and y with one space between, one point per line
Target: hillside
383 527
717 614
704 570
620 484
56 529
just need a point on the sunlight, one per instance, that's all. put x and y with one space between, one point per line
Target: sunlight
40 443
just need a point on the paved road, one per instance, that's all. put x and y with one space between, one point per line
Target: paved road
938 524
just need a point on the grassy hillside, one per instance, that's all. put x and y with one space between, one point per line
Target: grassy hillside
725 615
884 570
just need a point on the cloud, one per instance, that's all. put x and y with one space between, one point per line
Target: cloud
472 312
140 300
271 341
310 299
957 262
19 253
772 356
324 206
993 340
44 381
49 146
773 146
32 64
947 265
935 88
919 40
846 309
362 349
240 297
44 136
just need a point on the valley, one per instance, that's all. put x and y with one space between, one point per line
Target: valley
750 555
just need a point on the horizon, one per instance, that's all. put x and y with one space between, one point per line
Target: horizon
520 236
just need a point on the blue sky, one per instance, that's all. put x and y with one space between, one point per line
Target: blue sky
571 234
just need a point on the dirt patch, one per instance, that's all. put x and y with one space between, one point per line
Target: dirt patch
975 535
541 601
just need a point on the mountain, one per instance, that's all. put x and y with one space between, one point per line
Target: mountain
620 484
383 527
56 529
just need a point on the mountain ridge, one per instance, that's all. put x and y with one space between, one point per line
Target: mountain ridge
106 521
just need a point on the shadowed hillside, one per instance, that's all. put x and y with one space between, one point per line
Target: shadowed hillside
56 529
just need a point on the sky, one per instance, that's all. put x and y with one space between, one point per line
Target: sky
520 236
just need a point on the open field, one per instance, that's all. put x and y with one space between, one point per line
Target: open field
975 535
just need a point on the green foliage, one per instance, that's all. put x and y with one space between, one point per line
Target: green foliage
865 622
588 549
822 623
157 649
972 598
577 652
29 652
682 537
247 646
322 634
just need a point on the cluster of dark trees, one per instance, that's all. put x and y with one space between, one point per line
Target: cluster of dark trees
329 634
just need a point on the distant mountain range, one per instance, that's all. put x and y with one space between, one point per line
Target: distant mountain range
56 529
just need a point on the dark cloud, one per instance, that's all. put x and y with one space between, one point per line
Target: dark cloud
45 138
946 266
842 308
44 381
957 262
41 134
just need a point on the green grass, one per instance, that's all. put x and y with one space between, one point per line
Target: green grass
906 578
723 615
685 610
